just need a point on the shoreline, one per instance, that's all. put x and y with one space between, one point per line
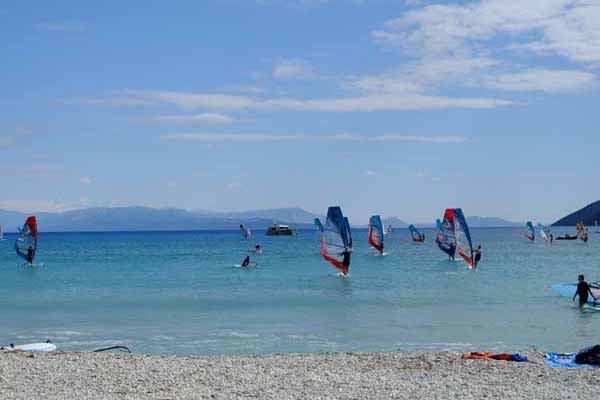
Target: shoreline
435 375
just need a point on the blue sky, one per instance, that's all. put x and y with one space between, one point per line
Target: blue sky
384 106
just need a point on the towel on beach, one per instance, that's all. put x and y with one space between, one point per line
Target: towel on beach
491 356
565 360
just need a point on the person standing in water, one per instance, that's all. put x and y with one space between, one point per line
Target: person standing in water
583 289
30 254
477 256
346 260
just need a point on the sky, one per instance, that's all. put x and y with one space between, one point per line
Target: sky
396 107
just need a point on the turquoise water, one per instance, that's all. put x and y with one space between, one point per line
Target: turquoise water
181 293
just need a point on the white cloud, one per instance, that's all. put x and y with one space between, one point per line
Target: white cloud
206 118
285 69
85 180
570 28
193 137
362 103
464 45
551 81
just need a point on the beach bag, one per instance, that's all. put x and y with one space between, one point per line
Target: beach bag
589 355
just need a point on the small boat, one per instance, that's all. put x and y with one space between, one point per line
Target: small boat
279 230
566 237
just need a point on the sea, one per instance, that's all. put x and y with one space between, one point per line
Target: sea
184 293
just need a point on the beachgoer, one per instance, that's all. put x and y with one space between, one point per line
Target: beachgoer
30 255
583 289
246 261
477 256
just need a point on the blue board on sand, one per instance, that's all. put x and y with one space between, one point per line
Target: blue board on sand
565 360
569 289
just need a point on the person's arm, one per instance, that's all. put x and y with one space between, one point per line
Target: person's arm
576 293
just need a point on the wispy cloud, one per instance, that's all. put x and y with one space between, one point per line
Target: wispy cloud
61 26
193 137
361 103
462 42
295 68
206 118
544 80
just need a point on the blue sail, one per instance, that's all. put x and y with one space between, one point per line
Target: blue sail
544 232
445 235
464 245
415 234
336 239
529 231
318 225
376 233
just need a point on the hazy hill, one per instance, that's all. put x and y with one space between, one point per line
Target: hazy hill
587 215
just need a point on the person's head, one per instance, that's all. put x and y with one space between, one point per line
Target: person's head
242 226
581 278
257 246
479 247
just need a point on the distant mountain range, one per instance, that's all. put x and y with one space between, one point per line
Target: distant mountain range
588 215
173 219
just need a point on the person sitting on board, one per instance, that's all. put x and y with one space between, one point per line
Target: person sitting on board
583 289
30 255
477 256
246 262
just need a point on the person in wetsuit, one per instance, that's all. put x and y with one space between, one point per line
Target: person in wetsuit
477 256
346 260
246 261
30 254
583 289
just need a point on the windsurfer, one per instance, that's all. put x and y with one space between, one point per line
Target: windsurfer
246 262
30 255
452 252
257 249
583 289
476 256
346 260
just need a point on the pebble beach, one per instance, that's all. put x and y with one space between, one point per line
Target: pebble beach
72 375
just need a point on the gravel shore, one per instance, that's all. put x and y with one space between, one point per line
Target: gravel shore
311 376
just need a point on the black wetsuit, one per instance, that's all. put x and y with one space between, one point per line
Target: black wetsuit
583 290
246 261
30 256
346 260
477 257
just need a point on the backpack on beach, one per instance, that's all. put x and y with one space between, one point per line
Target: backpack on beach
589 355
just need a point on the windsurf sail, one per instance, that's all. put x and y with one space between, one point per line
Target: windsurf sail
544 232
336 240
376 233
529 231
318 225
445 234
27 239
415 234
245 231
464 246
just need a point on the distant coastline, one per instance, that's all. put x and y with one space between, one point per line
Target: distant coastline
147 219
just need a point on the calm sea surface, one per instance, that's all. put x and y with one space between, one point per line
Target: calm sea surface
182 293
